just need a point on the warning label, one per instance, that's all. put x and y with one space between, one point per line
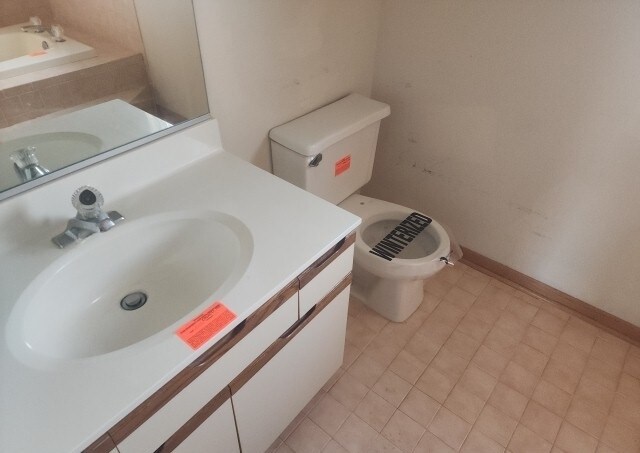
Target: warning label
207 324
343 165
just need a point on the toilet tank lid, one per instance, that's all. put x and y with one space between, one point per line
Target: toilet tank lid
312 133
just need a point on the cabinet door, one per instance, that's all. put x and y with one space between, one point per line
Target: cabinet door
266 403
216 434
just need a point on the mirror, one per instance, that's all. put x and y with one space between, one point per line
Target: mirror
83 80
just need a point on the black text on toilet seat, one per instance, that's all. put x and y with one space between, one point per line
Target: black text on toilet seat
401 236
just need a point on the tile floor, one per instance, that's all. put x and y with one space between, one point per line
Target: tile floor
480 367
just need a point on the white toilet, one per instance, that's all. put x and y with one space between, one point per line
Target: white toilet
329 152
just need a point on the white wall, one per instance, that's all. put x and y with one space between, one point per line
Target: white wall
517 123
173 58
267 62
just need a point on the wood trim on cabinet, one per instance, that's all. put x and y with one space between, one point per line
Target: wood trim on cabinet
326 259
281 342
104 444
194 422
155 402
510 276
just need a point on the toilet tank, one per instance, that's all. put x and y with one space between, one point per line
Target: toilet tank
329 152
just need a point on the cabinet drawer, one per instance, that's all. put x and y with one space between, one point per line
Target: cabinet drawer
326 273
267 401
214 370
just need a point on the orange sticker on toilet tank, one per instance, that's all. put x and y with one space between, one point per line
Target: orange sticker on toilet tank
207 324
343 165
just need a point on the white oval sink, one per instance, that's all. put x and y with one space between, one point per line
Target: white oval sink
180 261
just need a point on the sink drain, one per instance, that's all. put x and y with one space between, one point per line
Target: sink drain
133 301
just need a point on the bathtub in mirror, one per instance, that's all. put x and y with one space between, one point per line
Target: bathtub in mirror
126 73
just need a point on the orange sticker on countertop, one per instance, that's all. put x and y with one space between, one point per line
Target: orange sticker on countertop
343 165
37 53
207 324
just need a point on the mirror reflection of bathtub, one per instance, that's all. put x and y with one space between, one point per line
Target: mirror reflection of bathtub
23 52
134 60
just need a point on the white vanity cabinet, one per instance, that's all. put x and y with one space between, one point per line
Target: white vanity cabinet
243 391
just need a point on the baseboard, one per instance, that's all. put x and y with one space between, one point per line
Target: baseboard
511 276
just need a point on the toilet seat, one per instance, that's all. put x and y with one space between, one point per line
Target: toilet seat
378 217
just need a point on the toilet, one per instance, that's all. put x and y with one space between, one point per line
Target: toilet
329 152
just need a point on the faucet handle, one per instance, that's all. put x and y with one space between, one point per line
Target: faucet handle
88 202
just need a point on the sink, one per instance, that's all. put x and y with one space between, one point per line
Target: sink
182 262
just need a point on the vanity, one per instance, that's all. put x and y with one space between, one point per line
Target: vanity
247 279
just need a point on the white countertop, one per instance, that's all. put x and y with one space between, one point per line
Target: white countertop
64 405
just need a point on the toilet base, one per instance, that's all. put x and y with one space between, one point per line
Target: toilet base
396 300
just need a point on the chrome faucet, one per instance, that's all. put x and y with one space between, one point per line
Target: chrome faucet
25 163
56 31
90 218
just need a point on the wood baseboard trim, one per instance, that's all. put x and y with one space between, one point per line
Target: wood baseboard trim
521 281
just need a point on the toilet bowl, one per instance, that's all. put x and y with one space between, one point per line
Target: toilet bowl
389 278
330 152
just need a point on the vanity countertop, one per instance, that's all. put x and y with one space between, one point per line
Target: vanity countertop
62 405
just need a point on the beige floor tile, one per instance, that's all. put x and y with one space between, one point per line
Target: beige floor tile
358 334
436 384
375 411
579 334
541 421
511 324
450 428
420 407
334 447
522 309
314 401
462 345
613 351
408 366
452 274
355 435
435 331
284 448
382 445
602 373
382 351
403 432
549 322
477 382
501 342
586 417
446 315
464 404
602 448
292 426
449 363
474 283
351 353
436 286
366 370
329 414
508 400
632 365
629 386
474 327
594 394
431 444
274 446
572 357
392 388
333 379
561 375
495 424
626 410
307 438
423 348
519 378
348 391
372 320
485 311
490 361
526 441
540 340
497 294
477 442
552 397
573 440
531 359
459 298
621 437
